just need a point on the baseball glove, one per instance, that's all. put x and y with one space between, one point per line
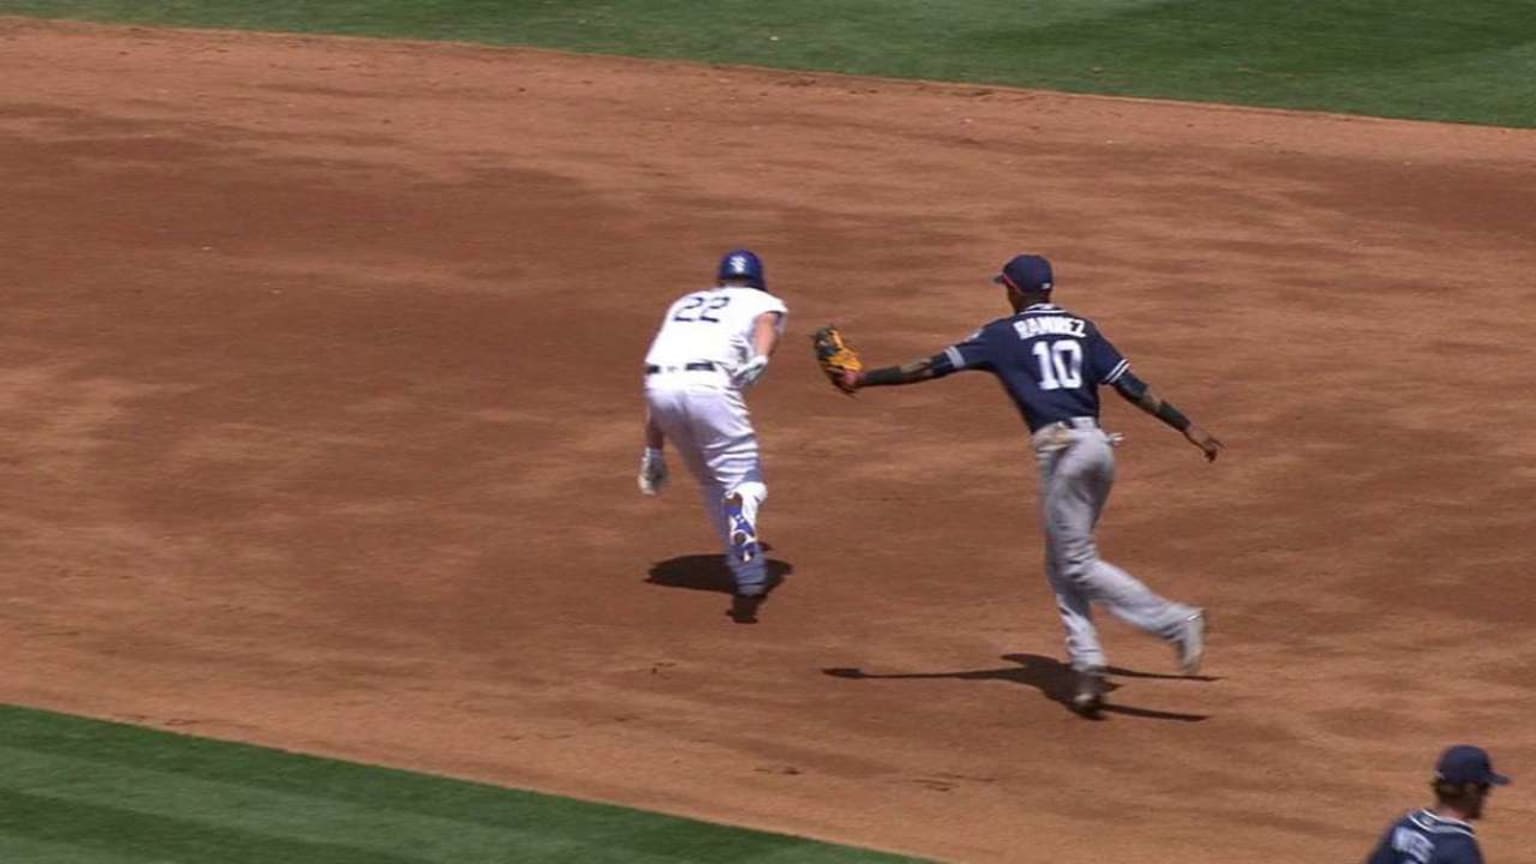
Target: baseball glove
836 357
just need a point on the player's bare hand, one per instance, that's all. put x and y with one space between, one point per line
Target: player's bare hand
847 380
1205 441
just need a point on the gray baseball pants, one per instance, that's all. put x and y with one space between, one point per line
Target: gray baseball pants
1077 470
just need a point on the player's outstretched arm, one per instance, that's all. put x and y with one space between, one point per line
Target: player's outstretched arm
893 376
1138 393
845 368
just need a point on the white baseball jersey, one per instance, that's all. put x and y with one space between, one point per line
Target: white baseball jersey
714 325
702 412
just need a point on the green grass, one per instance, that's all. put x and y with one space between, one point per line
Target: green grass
1464 60
87 792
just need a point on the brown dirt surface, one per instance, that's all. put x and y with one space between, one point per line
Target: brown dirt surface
321 408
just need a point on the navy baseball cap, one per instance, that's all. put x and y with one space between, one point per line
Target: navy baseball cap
1467 764
1026 272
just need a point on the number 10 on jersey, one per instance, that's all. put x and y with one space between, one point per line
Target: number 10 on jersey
1061 364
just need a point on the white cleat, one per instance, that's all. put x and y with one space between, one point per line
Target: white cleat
1190 643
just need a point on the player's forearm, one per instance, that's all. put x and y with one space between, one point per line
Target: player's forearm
893 376
765 334
1164 411
1140 394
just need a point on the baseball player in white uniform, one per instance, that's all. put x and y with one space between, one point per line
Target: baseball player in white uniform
713 345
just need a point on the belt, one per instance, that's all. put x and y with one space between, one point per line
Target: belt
1073 423
696 366
1053 437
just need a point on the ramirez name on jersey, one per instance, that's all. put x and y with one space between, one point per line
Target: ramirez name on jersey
1029 328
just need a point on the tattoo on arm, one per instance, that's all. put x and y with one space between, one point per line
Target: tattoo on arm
1138 393
891 376
1153 404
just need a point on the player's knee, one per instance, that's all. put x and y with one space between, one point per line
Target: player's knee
748 496
753 493
1075 568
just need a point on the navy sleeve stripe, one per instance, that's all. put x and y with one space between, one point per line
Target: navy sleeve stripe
1115 373
956 359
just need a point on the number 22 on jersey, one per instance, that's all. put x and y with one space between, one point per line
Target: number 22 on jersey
1061 364
698 308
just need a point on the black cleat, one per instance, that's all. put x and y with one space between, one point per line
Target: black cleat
1088 696
744 607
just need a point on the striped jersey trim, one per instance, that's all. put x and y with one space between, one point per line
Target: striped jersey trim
1120 369
1429 822
956 359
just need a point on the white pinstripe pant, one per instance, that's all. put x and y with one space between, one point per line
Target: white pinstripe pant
708 423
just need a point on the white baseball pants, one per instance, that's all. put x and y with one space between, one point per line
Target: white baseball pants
707 421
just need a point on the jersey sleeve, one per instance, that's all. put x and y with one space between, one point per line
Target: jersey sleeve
971 353
771 303
1105 362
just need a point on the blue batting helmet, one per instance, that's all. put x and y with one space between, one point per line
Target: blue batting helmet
742 264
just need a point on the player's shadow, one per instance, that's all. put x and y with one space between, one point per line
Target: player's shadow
1048 675
709 573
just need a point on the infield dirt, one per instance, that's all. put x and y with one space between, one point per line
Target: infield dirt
319 391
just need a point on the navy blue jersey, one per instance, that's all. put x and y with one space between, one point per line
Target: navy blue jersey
1050 361
1421 837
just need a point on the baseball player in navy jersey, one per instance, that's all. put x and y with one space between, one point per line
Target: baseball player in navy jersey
713 345
1443 834
1052 363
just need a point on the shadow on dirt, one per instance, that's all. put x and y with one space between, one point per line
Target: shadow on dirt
708 573
1048 675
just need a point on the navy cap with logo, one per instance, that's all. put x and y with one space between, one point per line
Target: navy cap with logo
1467 764
1026 273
